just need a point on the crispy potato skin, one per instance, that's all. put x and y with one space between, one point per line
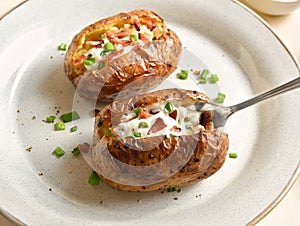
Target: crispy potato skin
154 163
136 71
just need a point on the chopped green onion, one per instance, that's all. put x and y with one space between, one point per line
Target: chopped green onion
62 47
60 126
233 155
160 29
101 65
221 98
103 53
58 151
136 134
183 74
68 117
171 189
128 137
76 151
213 78
189 127
137 111
169 107
90 61
102 36
109 46
50 119
204 74
143 125
134 38
73 129
202 81
94 179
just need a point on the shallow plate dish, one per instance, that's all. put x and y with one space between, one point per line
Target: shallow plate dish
37 188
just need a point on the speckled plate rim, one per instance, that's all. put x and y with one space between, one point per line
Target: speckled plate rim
292 181
296 173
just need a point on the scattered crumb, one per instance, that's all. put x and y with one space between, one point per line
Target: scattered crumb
60 91
13 132
70 172
50 189
41 174
29 149
33 117
179 190
101 202
175 198
18 111
198 196
51 57
196 73
139 200
162 192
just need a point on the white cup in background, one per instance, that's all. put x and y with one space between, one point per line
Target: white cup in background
274 7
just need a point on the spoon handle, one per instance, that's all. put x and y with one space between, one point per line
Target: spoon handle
291 85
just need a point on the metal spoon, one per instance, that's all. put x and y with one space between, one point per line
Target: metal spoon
222 113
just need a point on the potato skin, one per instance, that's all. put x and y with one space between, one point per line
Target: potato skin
134 72
154 163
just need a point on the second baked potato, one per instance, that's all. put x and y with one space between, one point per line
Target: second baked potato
133 51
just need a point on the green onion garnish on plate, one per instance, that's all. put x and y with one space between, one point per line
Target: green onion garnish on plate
58 151
60 126
68 117
50 119
94 179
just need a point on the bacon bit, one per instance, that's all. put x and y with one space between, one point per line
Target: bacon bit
156 32
176 129
158 125
80 59
144 114
122 34
116 37
84 148
145 37
173 114
149 24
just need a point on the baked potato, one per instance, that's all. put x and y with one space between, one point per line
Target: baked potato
134 50
156 141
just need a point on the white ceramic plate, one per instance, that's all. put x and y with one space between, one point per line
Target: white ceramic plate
230 40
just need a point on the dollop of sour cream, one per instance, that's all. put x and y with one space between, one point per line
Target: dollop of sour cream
186 122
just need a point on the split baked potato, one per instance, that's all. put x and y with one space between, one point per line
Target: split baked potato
156 141
123 55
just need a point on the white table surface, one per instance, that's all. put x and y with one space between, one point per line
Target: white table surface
287 212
